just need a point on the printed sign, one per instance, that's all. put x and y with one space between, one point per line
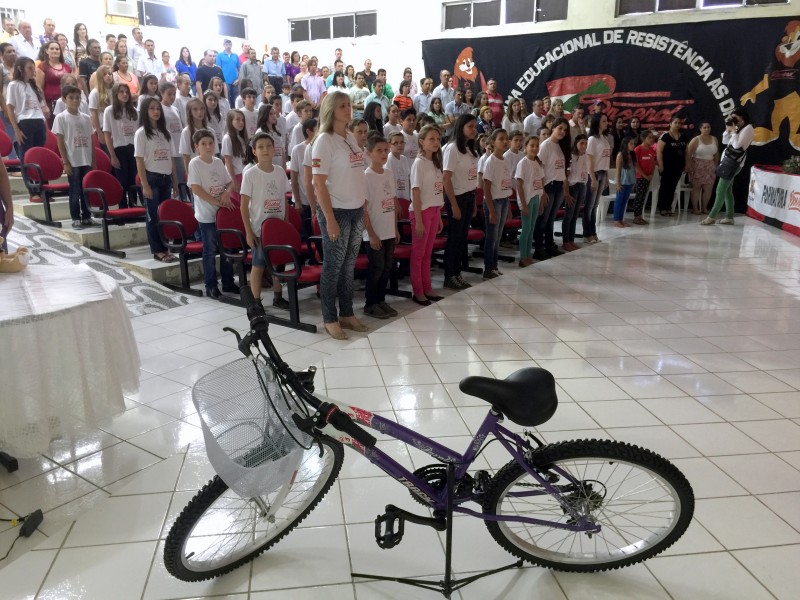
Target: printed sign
775 197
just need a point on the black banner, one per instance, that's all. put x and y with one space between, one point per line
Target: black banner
697 71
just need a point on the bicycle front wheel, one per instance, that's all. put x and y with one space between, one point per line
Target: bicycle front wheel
641 502
218 530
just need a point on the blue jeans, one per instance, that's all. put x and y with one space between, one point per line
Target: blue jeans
339 262
380 266
621 201
457 231
35 133
232 94
578 193
209 253
77 203
491 243
543 232
126 174
592 201
161 187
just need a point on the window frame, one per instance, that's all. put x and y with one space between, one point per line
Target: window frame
235 15
331 28
503 9
700 5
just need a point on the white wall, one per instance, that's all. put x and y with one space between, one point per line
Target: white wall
402 25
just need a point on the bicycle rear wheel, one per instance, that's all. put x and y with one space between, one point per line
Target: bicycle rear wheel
641 501
218 531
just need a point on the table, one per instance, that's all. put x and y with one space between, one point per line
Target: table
67 354
774 197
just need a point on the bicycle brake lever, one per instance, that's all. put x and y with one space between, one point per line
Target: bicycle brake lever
234 332
308 425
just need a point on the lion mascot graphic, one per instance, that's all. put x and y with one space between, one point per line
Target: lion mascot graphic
777 96
466 73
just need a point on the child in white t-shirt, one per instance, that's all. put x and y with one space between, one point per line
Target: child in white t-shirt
409 123
299 187
427 199
393 124
167 91
514 153
380 227
264 188
211 187
498 184
74 132
399 165
234 150
531 198
248 109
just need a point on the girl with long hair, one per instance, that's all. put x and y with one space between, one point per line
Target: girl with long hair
338 166
512 120
154 164
234 150
149 89
373 116
61 106
120 121
598 150
268 123
460 179
217 85
530 196
214 114
556 154
578 176
497 188
100 98
195 118
27 109
626 178
427 198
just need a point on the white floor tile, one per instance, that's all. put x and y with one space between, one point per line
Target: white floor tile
775 568
419 396
743 522
677 411
619 413
661 440
631 583
738 407
702 384
786 403
46 491
785 506
709 480
121 519
22 578
715 439
760 473
112 464
671 364
776 436
644 386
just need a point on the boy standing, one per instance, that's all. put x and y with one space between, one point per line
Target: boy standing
399 165
249 111
299 193
409 122
211 187
74 132
380 227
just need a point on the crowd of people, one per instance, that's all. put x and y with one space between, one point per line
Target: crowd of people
358 153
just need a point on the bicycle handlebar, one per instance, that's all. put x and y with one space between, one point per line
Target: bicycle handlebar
327 413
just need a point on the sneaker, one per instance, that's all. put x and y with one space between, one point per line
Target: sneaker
707 221
280 302
726 221
639 221
231 288
213 293
375 310
490 275
525 262
540 254
464 284
452 283
388 309
553 251
497 271
77 224
89 222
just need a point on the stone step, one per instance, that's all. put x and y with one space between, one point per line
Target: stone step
140 259
59 208
121 237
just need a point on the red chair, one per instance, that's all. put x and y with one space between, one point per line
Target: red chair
52 143
6 148
284 249
40 166
232 243
177 226
103 193
103 162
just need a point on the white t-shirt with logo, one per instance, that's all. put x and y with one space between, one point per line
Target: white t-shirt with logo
122 130
250 122
175 128
380 203
498 171
412 145
401 168
22 97
77 132
212 178
532 175
156 151
185 145
389 129
513 158
426 177
579 169
600 151
343 161
298 170
227 150
267 193
463 166
554 162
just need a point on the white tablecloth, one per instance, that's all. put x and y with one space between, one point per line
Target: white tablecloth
67 354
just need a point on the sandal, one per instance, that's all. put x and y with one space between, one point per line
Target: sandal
164 257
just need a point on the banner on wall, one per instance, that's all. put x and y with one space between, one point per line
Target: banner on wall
774 197
697 71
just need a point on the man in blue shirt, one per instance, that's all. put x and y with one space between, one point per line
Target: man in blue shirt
229 63
275 69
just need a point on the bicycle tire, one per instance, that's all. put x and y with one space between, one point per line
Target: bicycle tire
626 538
198 547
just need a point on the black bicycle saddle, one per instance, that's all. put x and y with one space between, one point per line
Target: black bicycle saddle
527 397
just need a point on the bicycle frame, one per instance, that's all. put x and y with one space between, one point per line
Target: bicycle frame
437 499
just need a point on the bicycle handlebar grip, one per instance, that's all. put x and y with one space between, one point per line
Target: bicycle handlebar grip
345 424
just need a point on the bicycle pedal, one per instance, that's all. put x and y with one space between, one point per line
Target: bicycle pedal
389 529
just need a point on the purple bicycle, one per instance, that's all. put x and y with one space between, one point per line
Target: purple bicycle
583 505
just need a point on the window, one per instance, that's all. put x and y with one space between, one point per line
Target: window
155 14
627 7
232 25
15 14
338 26
481 13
